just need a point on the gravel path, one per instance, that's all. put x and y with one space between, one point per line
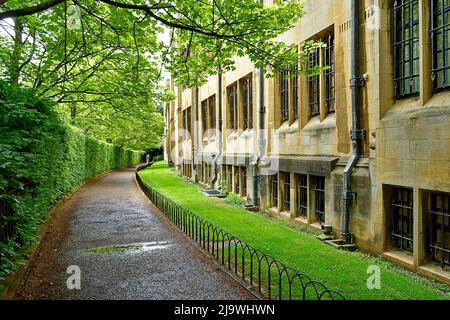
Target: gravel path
125 248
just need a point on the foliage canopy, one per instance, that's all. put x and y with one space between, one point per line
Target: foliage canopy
102 60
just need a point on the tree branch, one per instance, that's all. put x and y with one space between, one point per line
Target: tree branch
29 10
149 10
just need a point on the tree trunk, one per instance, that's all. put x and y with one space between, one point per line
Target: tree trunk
73 114
16 56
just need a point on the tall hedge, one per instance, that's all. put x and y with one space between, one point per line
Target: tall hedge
43 158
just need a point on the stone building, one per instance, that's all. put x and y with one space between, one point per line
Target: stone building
285 142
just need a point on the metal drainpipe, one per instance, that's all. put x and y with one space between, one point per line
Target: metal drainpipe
196 141
347 195
261 141
218 177
221 131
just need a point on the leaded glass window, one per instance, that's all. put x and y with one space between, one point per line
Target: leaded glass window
440 33
330 83
314 84
402 219
406 48
284 95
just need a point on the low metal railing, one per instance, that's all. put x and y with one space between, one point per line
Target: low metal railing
8 215
271 278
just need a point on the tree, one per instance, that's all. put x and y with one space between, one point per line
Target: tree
97 74
206 35
101 59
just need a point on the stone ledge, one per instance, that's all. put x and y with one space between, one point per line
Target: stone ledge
435 272
400 258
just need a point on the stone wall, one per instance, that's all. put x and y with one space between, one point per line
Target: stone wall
407 141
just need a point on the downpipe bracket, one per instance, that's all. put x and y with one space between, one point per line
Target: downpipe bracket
359 81
358 135
349 196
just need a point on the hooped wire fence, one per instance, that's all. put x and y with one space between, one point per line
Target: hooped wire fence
263 273
8 214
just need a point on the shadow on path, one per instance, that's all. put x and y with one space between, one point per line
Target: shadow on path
125 249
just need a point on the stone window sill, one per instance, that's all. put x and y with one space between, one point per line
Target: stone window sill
315 124
435 271
402 258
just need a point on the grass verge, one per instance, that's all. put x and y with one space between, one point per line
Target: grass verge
342 271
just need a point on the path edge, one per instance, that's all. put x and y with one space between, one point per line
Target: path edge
13 280
230 274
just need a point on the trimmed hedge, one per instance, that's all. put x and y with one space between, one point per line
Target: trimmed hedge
44 158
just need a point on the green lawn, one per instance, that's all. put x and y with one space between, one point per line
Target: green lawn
342 271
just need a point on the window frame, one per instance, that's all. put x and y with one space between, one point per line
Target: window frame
284 95
229 178
287 192
250 103
401 239
244 182
237 178
274 181
189 120
443 28
233 106
204 108
200 174
330 74
314 84
319 194
443 213
302 195
400 43
294 90
184 120
212 112
247 102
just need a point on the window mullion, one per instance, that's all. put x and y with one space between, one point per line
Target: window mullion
433 41
443 231
403 51
411 46
444 65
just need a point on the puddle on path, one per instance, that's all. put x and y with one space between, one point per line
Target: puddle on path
130 248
